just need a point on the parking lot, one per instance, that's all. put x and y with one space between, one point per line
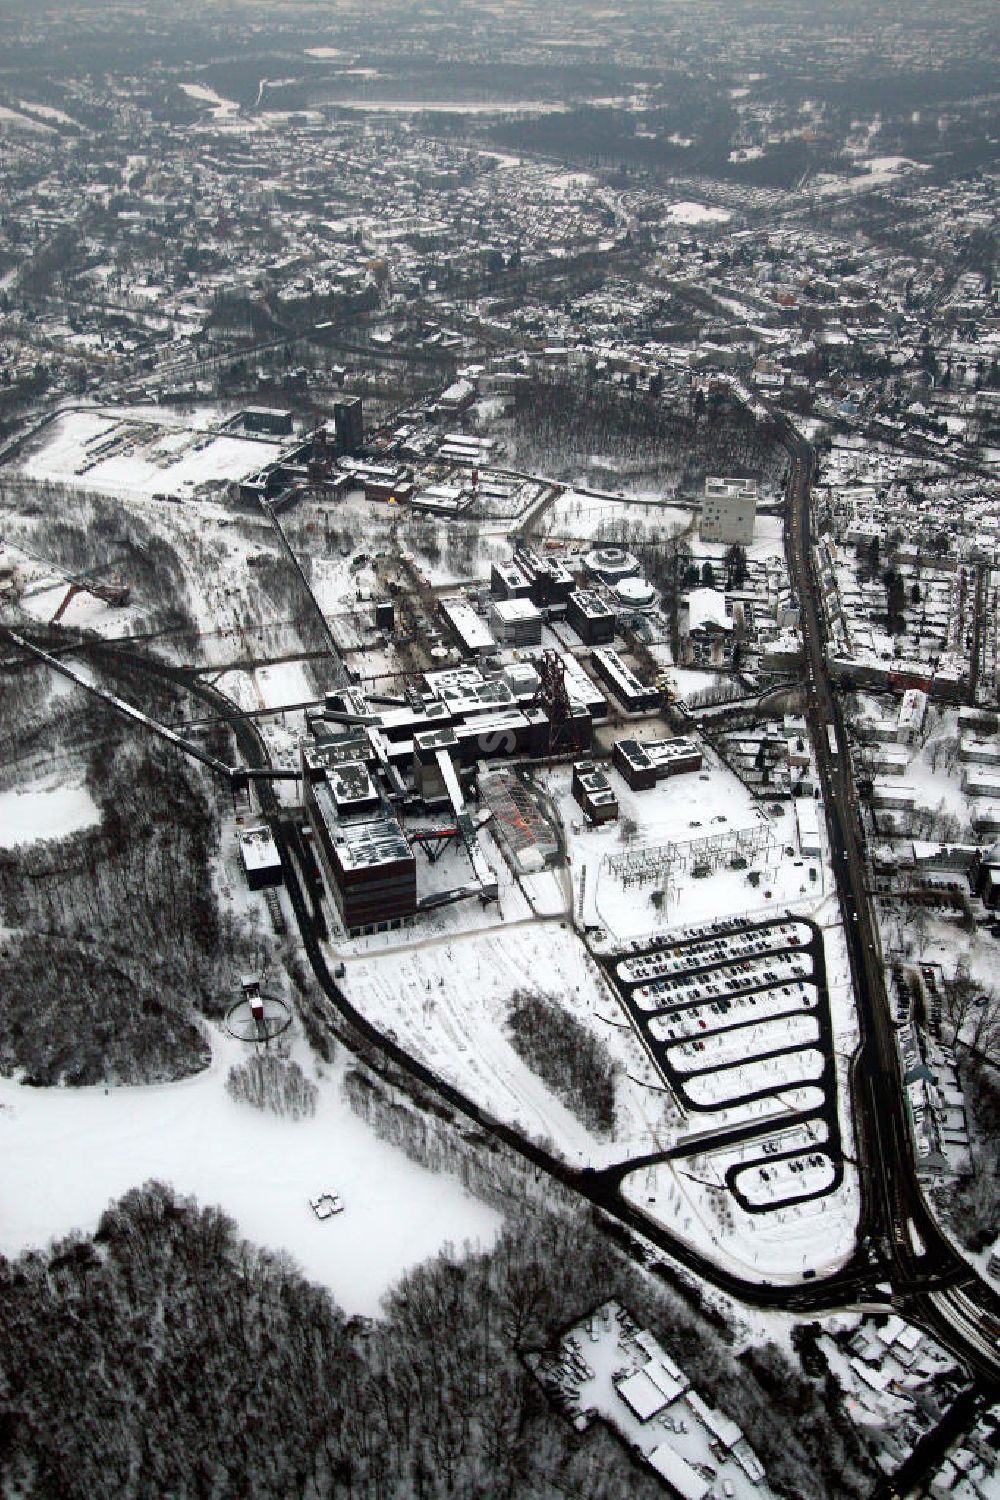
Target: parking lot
734 1016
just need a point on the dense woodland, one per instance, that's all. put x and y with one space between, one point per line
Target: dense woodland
166 1356
74 1015
563 1052
557 425
117 941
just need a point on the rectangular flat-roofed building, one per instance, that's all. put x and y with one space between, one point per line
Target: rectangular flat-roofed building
633 695
591 618
261 860
353 790
368 864
470 630
807 823
508 582
593 792
269 420
729 511
643 764
516 622
551 581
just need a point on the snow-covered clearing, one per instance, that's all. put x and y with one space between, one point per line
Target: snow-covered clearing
697 213
447 1002
47 112
285 683
578 515
44 812
11 120
124 453
220 107
65 1153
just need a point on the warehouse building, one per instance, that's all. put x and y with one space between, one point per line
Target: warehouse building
470 630
807 824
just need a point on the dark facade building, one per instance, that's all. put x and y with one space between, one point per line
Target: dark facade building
590 617
593 792
644 764
269 420
633 695
261 860
550 581
986 878
368 863
348 425
508 582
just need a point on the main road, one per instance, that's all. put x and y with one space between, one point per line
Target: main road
961 1310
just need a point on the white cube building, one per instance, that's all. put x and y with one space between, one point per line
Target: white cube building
729 511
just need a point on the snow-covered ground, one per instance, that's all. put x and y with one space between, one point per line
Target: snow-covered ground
126 453
680 809
780 1245
697 213
44 812
447 1002
579 515
65 1153
220 107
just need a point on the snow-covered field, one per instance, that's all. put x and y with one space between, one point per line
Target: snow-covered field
447 1003
65 1153
44 812
579 515
697 213
124 453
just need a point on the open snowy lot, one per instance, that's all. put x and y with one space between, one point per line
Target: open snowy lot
579 515
447 1000
783 1242
64 1153
44 812
125 453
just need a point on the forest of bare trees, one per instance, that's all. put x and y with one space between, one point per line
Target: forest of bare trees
116 940
563 1052
559 421
166 1355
